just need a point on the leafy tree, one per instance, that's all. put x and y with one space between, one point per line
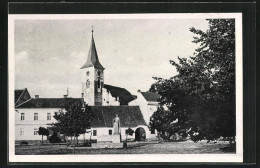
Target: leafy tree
43 132
74 121
171 115
205 84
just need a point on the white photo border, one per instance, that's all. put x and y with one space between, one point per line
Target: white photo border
237 157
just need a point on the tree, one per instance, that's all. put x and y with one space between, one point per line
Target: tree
74 121
43 132
207 80
171 115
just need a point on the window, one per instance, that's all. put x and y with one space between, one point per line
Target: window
109 132
35 116
94 132
87 84
21 131
48 116
152 131
35 131
22 116
98 83
87 73
98 73
126 132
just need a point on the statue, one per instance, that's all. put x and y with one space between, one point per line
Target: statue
116 125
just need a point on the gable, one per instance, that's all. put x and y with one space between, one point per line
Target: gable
21 96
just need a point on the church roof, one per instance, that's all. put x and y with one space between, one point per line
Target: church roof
151 96
92 60
124 95
48 102
130 116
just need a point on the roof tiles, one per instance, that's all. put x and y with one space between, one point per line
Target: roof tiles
48 102
130 116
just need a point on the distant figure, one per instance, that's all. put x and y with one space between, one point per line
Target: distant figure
116 125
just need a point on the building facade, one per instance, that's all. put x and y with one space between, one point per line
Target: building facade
38 112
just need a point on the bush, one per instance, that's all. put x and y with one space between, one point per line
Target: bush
93 141
54 138
23 143
87 144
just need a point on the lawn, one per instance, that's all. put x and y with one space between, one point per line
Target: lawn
186 147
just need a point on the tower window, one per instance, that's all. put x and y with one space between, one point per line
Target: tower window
98 83
98 73
87 84
110 132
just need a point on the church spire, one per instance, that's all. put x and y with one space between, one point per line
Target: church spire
92 60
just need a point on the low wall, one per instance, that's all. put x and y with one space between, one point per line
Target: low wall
109 138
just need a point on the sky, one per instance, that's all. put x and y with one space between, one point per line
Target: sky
49 53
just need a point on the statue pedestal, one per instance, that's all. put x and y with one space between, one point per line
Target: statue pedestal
115 138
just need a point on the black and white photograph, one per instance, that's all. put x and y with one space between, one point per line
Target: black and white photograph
125 88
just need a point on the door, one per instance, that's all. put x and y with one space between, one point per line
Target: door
140 134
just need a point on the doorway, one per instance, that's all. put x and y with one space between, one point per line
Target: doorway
140 134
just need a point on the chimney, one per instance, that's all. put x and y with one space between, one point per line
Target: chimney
82 95
65 96
36 96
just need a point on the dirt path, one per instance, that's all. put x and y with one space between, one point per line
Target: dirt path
187 147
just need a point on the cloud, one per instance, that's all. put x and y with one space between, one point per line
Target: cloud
21 56
130 60
53 59
52 52
76 54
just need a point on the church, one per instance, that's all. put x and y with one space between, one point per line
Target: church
106 102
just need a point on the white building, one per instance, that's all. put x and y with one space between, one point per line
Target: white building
148 102
37 112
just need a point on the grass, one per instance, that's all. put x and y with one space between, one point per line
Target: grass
185 147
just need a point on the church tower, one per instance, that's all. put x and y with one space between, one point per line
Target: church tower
92 77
